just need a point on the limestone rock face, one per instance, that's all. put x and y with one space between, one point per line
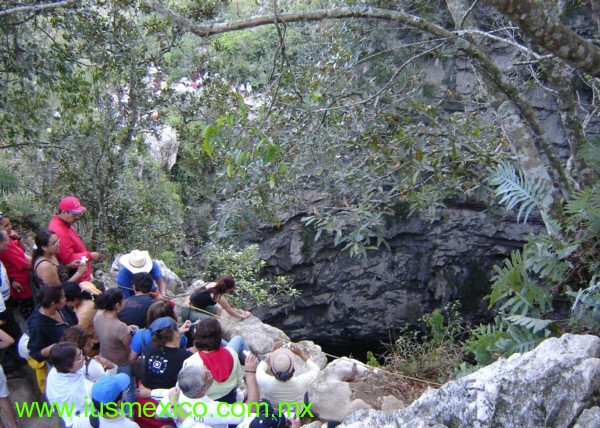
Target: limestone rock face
163 145
550 386
261 338
335 395
429 262
590 418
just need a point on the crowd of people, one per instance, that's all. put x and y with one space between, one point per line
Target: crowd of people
96 350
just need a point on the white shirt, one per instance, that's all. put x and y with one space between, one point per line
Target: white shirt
4 286
290 391
95 370
72 389
208 414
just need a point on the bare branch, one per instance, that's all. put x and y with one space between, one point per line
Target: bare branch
38 7
464 18
489 35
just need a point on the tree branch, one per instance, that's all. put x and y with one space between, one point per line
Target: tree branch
38 7
315 15
536 24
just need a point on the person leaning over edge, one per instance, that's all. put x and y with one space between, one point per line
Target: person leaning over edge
284 386
136 262
72 248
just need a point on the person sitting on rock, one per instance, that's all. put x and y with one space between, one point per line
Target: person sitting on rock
283 386
209 300
222 362
136 306
138 262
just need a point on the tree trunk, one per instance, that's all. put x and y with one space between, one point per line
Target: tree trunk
556 38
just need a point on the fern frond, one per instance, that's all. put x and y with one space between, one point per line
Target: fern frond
590 153
534 324
516 190
549 259
482 342
584 207
586 307
520 340
508 277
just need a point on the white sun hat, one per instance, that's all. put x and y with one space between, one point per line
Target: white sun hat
137 261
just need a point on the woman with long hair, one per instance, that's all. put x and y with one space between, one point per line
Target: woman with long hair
48 321
114 335
46 267
209 300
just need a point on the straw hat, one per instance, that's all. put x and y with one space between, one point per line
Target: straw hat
137 261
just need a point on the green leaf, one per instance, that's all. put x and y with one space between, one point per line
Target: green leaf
530 323
517 190
208 147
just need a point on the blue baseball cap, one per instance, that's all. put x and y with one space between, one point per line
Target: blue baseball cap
107 389
163 322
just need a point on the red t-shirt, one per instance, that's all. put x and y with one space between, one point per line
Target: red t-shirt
71 246
15 262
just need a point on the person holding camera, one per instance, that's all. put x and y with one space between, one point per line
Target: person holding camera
72 252
283 386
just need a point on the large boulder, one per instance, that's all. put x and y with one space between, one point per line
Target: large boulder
550 386
347 385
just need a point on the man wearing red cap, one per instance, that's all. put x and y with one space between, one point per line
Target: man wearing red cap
72 249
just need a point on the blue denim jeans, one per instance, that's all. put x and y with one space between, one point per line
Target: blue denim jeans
238 344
